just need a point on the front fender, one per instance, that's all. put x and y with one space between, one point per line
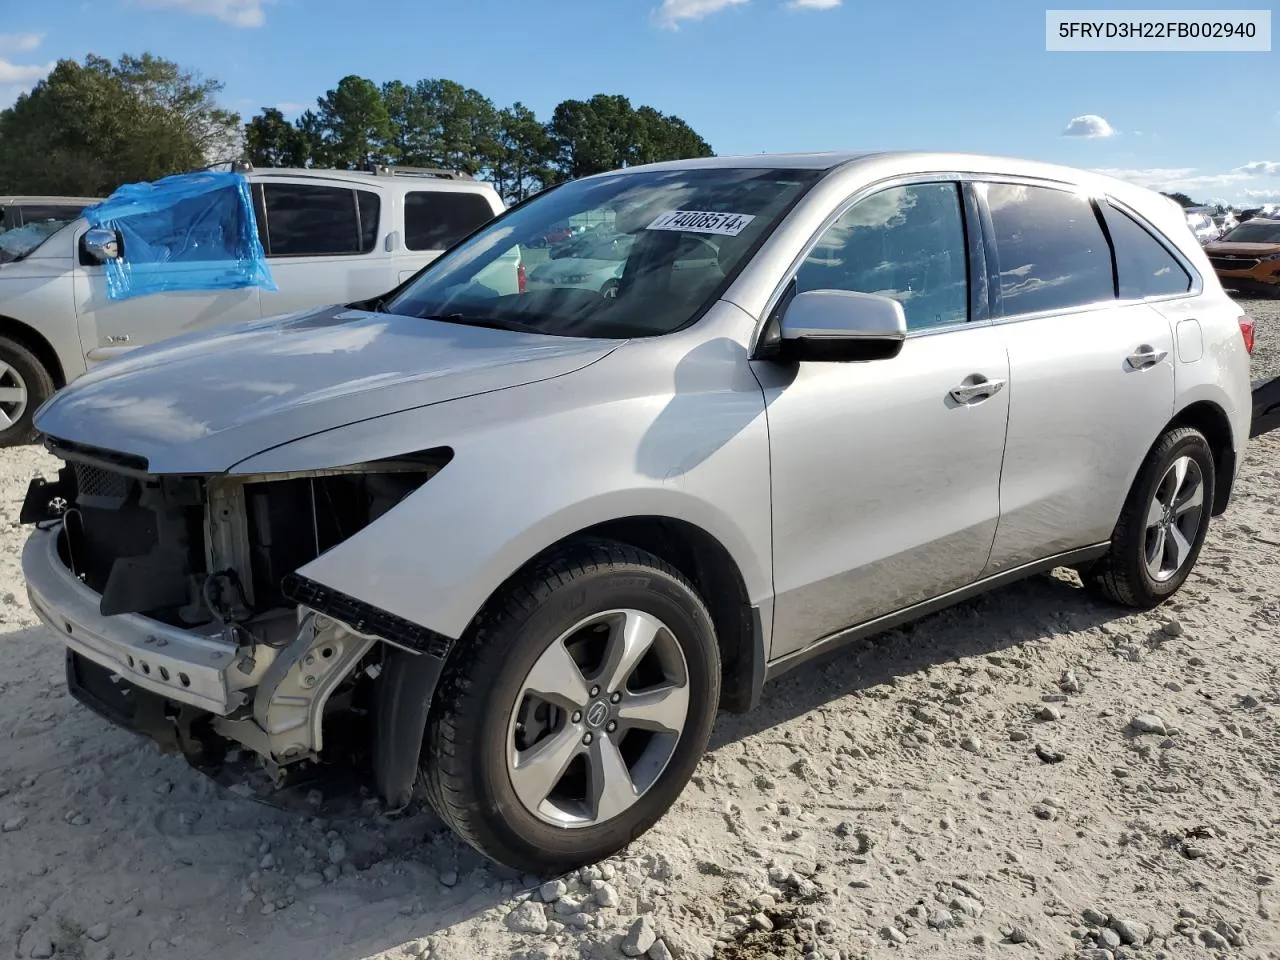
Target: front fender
538 463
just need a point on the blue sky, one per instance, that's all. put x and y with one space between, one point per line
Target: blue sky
750 75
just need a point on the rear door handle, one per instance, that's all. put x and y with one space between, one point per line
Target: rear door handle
1145 356
976 388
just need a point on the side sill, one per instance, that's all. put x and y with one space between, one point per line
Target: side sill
861 631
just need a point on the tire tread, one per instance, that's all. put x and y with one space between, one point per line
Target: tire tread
1112 575
40 386
456 704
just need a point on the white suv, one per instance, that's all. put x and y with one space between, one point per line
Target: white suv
330 236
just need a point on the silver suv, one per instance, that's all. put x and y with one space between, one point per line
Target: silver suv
520 547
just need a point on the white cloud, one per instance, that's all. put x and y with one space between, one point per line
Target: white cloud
673 11
1261 168
20 42
17 78
238 13
1265 196
23 73
288 106
1090 126
1154 177
1197 184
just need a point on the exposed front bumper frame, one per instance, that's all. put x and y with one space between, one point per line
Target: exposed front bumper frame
195 667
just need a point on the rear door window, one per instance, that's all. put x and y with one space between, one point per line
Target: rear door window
1051 250
1145 267
437 219
306 220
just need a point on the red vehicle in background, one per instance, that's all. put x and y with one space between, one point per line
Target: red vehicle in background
557 234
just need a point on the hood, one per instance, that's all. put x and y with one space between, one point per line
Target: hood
1227 248
201 403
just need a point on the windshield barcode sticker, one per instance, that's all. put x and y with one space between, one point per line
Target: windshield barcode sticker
701 221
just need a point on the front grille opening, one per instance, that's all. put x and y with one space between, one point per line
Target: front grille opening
94 481
139 543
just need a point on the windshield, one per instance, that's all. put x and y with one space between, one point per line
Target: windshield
667 244
1255 231
20 241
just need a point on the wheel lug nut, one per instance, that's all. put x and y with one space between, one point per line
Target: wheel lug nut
613 725
577 716
595 691
615 698
586 739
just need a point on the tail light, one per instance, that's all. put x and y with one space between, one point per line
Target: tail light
1246 331
522 284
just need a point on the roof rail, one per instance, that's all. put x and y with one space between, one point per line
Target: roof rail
439 173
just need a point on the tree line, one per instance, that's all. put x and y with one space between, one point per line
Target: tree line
441 123
91 126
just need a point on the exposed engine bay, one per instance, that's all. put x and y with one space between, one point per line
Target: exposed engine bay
196 578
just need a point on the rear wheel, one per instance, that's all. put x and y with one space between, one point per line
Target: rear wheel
575 710
1164 522
24 385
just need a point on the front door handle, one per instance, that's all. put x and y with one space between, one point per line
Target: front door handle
1145 356
976 388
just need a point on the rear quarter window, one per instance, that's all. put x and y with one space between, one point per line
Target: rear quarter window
1145 267
436 219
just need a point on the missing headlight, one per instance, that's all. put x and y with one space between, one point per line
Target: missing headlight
292 521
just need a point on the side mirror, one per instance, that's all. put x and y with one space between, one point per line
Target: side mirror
841 326
99 244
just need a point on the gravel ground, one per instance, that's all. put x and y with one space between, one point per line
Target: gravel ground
1032 774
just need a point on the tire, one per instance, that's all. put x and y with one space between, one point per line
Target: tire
1126 575
20 372
485 721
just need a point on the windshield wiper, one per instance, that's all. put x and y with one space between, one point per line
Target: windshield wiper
491 323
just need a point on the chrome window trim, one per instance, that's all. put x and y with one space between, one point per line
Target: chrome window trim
885 183
1090 307
1197 284
961 177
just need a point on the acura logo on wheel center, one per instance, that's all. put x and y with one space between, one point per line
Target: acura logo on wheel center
597 714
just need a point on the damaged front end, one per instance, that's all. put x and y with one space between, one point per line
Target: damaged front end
185 620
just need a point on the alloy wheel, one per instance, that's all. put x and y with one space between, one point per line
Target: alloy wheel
1173 519
598 718
13 396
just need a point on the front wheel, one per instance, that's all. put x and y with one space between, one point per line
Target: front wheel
24 385
1164 522
575 710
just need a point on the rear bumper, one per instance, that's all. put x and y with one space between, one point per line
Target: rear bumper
1266 407
186 666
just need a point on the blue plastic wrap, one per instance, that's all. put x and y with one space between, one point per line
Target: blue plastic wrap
190 231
